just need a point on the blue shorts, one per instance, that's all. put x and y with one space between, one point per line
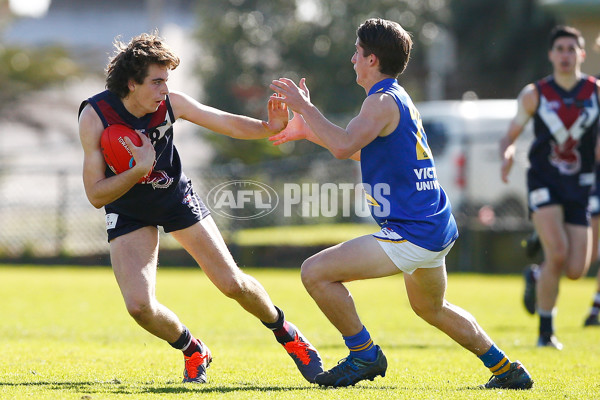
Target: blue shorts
182 213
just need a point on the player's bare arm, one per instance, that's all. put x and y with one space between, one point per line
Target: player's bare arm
99 189
374 119
527 103
298 129
233 125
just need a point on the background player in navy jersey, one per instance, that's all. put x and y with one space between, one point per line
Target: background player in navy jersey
565 109
592 317
594 207
138 97
418 228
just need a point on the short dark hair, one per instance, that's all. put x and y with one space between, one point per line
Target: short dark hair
388 41
566 31
131 61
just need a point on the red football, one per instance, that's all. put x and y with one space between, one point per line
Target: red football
116 153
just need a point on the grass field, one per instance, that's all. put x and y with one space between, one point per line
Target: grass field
65 334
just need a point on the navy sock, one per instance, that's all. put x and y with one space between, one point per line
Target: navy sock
361 345
595 305
496 361
284 332
546 324
187 343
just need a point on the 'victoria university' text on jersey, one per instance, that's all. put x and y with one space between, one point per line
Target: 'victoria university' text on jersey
562 156
401 166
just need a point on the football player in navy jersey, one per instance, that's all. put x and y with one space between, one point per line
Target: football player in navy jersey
137 96
565 110
592 317
594 207
406 200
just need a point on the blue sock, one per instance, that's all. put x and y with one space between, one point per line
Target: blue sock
361 346
496 361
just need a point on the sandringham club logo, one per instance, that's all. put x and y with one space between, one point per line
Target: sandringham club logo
242 199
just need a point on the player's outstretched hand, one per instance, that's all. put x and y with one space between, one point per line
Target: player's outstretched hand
278 115
297 129
295 96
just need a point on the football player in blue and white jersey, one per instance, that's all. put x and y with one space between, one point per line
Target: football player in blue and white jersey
406 200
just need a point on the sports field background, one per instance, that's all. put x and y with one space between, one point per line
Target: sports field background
66 335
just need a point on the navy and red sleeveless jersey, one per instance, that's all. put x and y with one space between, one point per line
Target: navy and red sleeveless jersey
562 156
167 179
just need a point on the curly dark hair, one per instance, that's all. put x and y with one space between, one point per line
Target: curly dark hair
131 61
390 43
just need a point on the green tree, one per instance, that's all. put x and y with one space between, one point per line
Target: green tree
247 43
27 69
501 46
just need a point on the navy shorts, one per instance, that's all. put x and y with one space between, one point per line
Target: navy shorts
594 201
179 213
575 212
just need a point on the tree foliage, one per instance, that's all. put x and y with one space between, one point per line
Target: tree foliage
248 43
27 69
502 46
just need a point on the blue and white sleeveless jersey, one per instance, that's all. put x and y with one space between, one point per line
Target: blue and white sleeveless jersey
400 181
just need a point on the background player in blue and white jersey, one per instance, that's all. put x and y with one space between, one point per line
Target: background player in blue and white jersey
417 226
138 96
562 156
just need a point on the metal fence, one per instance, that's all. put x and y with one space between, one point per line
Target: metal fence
44 212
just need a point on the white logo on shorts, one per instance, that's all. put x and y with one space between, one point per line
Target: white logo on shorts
538 197
111 220
594 204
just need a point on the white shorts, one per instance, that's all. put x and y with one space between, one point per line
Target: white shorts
407 256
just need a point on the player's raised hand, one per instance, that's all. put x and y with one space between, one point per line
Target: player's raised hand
296 97
278 114
297 129
507 163
304 89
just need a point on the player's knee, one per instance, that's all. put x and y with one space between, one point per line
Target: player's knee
140 310
425 313
558 257
575 274
309 272
234 287
428 311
